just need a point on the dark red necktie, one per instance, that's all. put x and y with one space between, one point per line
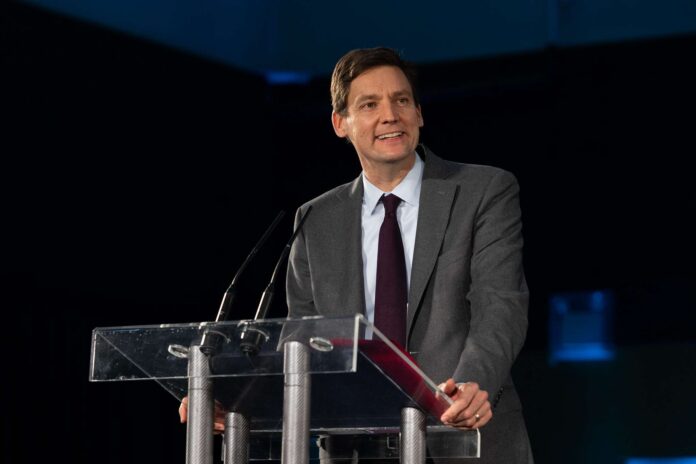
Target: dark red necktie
391 291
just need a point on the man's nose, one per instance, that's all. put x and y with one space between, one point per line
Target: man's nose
389 113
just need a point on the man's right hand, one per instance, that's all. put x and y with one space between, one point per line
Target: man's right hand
219 424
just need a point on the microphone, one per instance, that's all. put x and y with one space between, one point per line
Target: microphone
250 342
211 339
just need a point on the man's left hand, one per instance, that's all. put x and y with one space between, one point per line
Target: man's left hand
471 408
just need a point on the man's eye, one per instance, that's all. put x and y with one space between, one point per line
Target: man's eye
369 105
403 101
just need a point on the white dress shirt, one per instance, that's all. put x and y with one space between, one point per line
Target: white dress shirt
373 215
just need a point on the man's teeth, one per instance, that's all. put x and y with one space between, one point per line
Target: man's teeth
389 135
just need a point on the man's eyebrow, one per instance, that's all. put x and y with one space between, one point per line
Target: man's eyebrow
371 96
401 93
374 96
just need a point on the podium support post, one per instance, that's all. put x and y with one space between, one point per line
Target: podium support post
236 439
413 440
199 428
296 404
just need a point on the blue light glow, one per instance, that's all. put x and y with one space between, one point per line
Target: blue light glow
580 326
679 460
258 36
287 77
583 352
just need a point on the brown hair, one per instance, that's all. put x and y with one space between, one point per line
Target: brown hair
356 62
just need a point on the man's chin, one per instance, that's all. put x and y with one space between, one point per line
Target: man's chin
398 157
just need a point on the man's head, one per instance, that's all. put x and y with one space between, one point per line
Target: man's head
375 108
356 62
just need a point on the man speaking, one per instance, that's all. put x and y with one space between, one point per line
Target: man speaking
429 250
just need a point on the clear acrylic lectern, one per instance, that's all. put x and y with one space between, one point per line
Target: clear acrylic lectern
294 390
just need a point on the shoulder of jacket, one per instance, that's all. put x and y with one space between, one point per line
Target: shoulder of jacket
330 198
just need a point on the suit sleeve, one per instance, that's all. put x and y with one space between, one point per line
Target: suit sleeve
498 294
298 281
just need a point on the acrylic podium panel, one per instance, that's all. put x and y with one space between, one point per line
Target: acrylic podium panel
360 380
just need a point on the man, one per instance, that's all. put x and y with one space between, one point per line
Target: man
464 293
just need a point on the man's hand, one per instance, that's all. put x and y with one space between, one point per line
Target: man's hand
219 425
471 408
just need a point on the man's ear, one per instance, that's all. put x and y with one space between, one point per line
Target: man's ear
420 116
338 122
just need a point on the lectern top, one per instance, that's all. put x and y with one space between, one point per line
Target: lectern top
246 363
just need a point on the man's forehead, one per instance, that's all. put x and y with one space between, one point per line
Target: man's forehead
374 82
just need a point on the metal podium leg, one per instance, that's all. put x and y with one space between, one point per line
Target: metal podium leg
236 439
412 441
199 428
296 398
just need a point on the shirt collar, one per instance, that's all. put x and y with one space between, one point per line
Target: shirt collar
408 189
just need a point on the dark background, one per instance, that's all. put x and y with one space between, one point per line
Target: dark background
135 179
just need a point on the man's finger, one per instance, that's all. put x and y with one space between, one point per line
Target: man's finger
454 412
474 406
475 422
479 403
466 392
480 417
218 428
183 410
448 387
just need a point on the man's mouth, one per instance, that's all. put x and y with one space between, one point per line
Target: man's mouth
390 135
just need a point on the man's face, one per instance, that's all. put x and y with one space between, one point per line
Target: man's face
381 119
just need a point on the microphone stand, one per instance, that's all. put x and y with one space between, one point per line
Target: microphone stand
201 409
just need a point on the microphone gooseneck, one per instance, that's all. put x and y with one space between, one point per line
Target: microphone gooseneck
251 338
210 340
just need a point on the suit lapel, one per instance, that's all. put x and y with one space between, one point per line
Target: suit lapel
347 228
435 204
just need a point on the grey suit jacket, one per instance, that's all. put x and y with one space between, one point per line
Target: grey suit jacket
467 304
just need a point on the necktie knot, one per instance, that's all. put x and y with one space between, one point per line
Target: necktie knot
390 202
